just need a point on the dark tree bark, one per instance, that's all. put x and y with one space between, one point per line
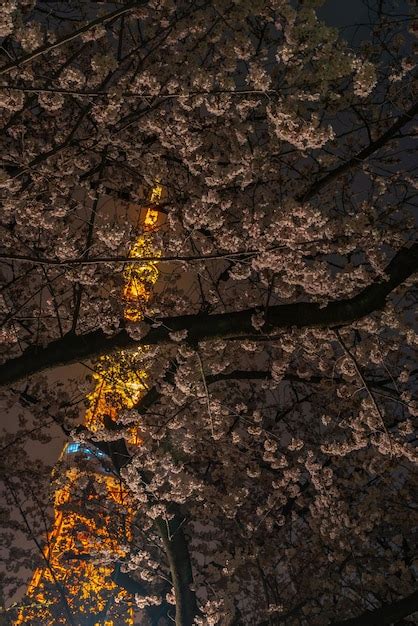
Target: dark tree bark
229 325
177 552
172 536
385 616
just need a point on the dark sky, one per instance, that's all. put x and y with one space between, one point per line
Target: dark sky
349 15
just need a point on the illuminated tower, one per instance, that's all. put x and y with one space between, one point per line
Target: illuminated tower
92 508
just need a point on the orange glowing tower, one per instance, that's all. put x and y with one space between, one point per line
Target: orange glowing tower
93 510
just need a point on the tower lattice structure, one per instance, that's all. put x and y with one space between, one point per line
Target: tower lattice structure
93 510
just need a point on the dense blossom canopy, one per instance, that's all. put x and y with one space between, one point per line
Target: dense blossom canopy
278 426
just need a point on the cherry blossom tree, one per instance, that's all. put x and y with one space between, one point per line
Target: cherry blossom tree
276 476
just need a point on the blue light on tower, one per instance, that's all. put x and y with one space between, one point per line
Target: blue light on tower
74 447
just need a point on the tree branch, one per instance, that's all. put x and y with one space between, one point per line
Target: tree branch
171 533
385 616
361 156
70 37
234 324
177 552
121 260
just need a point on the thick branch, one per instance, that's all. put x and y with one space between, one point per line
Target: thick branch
361 156
386 615
201 327
177 552
172 536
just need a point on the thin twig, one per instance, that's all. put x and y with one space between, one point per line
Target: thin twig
70 37
146 259
206 391
364 381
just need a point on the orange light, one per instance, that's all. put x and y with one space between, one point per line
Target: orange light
119 385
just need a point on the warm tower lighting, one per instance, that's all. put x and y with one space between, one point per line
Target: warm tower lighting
92 509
